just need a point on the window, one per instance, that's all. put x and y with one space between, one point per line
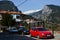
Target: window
18 16
41 29
33 28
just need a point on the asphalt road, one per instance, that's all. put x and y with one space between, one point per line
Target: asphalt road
9 36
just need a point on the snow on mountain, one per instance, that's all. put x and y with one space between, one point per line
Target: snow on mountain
30 11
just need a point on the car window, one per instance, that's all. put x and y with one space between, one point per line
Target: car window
33 28
22 28
13 29
41 29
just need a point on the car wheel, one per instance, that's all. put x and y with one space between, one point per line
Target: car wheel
38 36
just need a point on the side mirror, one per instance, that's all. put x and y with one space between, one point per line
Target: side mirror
35 30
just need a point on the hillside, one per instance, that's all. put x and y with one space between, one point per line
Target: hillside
54 16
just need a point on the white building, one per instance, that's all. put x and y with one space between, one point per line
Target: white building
16 15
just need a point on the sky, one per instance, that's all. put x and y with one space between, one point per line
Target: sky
34 4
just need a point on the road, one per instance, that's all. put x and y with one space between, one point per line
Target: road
57 37
8 36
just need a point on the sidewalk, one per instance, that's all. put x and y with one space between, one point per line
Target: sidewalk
1 31
56 32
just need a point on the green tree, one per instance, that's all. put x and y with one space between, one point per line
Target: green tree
24 23
7 20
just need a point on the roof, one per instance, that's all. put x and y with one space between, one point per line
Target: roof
10 12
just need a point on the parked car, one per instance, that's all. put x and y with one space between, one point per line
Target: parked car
23 30
13 30
41 32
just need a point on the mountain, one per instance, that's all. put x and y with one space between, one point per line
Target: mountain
49 12
42 13
8 6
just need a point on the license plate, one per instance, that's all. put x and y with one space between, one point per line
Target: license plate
48 35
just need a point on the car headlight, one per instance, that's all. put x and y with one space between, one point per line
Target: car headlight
42 33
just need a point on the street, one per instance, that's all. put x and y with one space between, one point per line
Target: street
8 36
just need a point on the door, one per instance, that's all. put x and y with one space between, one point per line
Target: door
33 32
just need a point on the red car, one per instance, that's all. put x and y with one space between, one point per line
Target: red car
40 33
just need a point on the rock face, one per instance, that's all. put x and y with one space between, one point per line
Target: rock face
8 6
36 15
46 11
54 16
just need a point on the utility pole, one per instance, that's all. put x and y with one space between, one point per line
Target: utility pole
52 23
22 3
45 18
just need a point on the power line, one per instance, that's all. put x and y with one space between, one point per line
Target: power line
22 2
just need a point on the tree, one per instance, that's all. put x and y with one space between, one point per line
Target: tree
24 23
7 20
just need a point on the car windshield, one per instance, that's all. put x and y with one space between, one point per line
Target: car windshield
22 28
13 29
33 28
41 29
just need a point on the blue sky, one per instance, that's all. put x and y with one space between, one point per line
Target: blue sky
34 4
